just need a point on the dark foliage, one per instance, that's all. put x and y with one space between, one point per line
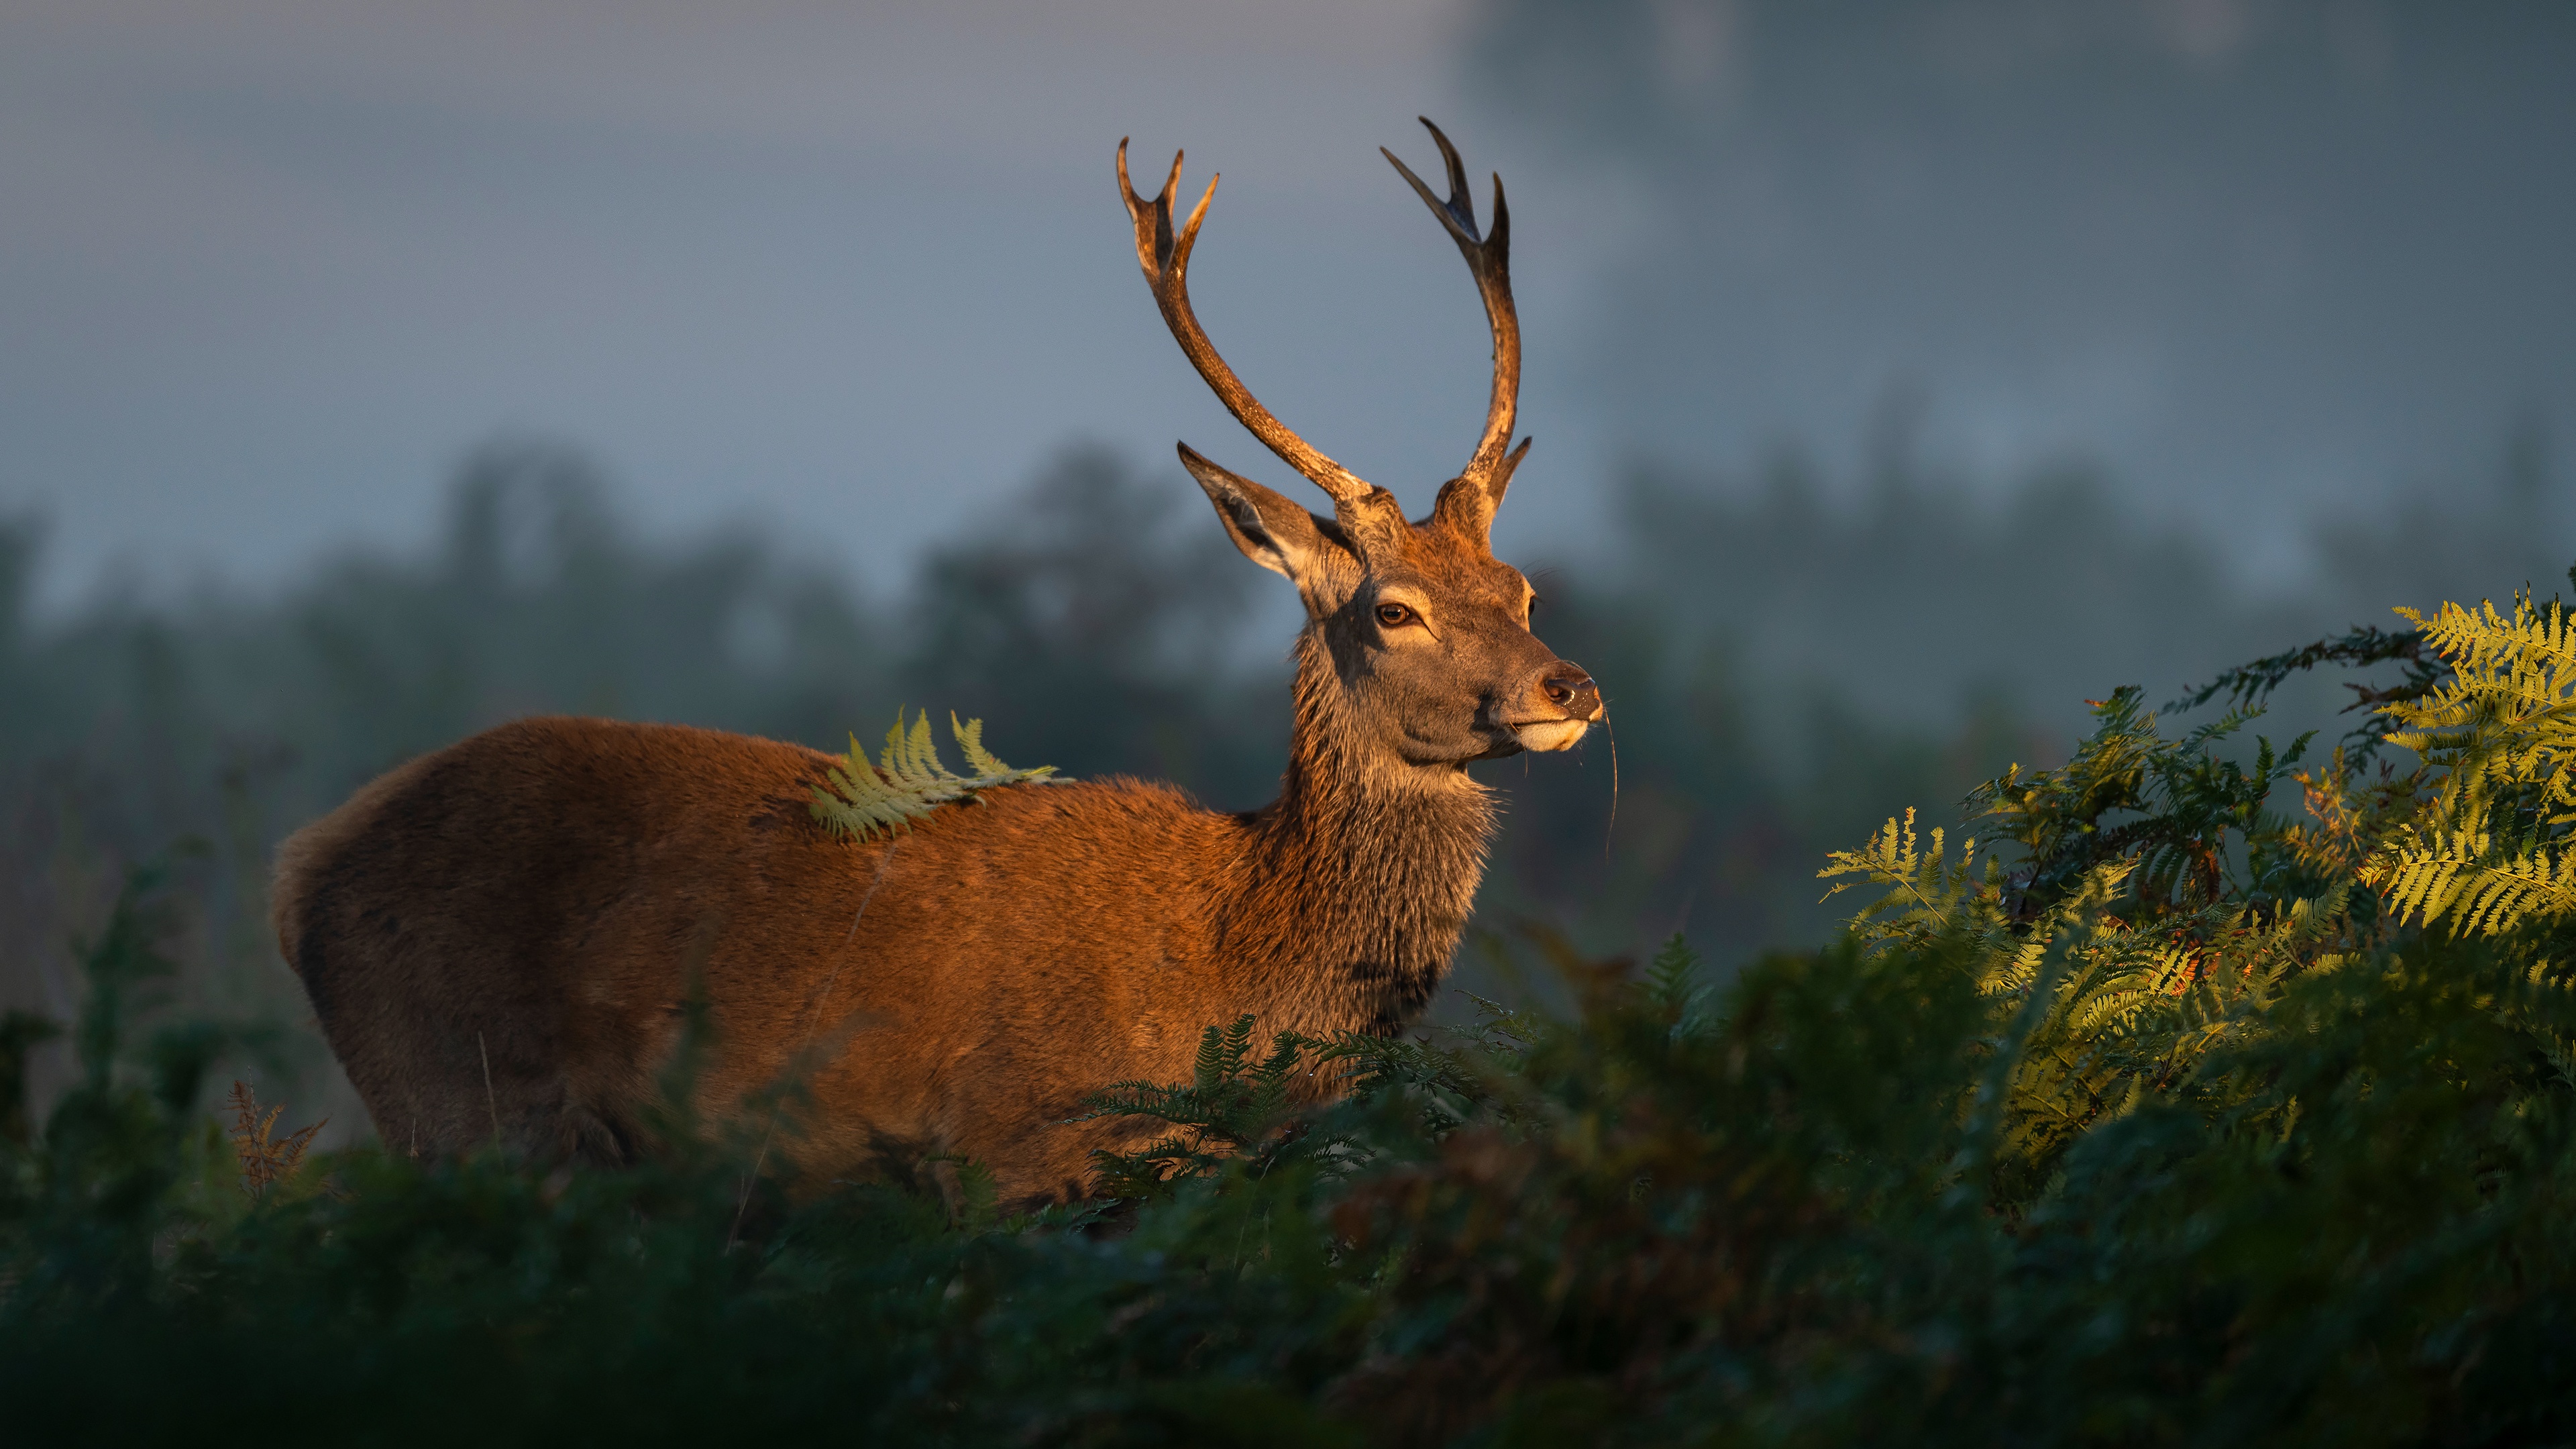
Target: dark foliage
2249 685
2161 1130
1877 1192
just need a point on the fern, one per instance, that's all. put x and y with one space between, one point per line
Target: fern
1241 1115
2156 908
1233 1110
2249 685
1928 893
264 1158
2492 849
1673 988
1453 1075
2168 805
908 781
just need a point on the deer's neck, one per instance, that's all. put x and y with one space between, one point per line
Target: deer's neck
1359 878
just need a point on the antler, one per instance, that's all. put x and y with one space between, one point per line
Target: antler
1477 491
1166 260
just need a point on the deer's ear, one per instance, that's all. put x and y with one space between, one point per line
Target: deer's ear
1275 533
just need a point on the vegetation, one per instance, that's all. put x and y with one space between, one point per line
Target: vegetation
907 781
2161 1111
1104 625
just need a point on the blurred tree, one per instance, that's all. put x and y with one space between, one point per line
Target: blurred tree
1099 619
1780 663
2255 254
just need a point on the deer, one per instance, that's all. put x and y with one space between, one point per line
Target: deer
506 940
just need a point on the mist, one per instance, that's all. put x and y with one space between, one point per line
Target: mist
2254 261
1904 378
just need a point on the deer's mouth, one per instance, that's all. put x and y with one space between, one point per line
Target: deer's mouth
1544 735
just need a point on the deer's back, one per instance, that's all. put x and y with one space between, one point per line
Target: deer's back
502 938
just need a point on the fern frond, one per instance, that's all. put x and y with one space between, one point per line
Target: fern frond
970 742
263 1157
2494 849
2481 890
1233 1114
1673 985
1221 1053
907 780
1927 891
2116 1009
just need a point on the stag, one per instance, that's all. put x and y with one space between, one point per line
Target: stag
502 940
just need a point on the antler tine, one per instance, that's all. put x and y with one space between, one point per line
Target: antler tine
1489 259
1166 260
1458 213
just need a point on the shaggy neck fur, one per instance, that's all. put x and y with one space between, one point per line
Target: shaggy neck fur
1358 880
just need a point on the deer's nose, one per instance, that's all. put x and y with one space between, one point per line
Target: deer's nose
1571 690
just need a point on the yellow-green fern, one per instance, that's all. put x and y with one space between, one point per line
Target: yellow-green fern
907 781
2492 849
2111 1008
1927 891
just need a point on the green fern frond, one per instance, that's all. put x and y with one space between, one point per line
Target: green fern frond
1927 891
2481 890
1673 985
2117 1009
2494 849
970 741
907 780
1233 1113
1221 1054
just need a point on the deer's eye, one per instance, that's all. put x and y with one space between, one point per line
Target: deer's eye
1394 616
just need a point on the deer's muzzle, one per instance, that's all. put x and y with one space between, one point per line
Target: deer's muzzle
1566 703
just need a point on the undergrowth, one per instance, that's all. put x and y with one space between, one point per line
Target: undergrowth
2164 1112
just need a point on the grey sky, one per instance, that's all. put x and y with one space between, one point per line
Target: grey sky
2265 257
267 269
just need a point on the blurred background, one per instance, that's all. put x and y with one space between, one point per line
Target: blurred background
1903 374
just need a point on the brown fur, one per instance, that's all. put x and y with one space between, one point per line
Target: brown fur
534 899
502 939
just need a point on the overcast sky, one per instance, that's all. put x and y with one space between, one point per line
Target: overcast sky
2267 259
268 269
